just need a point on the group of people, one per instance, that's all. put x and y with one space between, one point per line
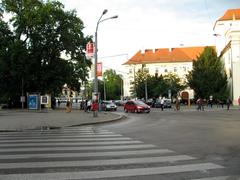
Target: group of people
200 103
88 105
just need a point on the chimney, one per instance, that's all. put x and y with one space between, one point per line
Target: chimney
233 17
170 49
142 51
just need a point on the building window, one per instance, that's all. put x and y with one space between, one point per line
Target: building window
184 69
146 70
156 71
175 69
165 70
130 71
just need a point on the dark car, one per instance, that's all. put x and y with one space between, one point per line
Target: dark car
166 104
136 106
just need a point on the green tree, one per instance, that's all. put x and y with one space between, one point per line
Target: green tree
113 84
1 10
141 78
157 85
208 76
173 83
42 33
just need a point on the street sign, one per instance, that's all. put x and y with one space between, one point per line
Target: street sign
22 99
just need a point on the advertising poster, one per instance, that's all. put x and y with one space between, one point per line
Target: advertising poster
33 101
44 99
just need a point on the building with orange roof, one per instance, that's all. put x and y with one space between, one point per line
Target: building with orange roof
162 61
227 30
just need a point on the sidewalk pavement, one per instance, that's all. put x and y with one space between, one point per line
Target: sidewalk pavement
17 120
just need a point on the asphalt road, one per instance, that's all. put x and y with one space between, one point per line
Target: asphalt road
210 136
161 145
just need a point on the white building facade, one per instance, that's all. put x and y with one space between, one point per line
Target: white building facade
227 30
177 61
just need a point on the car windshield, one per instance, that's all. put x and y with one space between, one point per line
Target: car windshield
139 103
107 102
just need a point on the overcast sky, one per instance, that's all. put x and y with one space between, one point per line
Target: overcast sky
148 24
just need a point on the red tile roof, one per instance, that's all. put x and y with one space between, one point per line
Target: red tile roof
231 14
166 55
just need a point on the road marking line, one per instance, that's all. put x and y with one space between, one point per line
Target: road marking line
62 136
55 134
114 173
77 148
86 154
215 178
104 162
53 131
68 144
63 140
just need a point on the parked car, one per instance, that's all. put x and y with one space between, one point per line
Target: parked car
136 106
166 104
108 106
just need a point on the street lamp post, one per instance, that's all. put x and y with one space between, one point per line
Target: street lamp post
96 51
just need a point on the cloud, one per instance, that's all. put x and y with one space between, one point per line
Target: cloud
150 23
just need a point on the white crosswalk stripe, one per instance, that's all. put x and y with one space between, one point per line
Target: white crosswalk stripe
86 154
97 162
71 144
90 153
115 173
64 140
218 178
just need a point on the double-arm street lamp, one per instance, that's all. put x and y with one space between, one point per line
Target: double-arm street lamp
96 50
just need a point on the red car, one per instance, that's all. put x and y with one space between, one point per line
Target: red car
136 106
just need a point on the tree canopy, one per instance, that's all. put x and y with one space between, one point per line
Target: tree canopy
208 77
43 50
113 84
156 85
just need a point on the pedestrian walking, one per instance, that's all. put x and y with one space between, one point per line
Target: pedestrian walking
228 102
68 106
177 104
162 103
95 108
89 104
59 102
239 102
200 105
210 102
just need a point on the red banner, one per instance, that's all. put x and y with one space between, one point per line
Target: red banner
90 49
99 69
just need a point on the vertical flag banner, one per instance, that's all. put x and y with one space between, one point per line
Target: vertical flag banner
90 49
99 69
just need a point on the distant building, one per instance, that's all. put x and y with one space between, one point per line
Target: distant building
227 31
178 61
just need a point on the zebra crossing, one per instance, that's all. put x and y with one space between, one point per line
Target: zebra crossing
92 153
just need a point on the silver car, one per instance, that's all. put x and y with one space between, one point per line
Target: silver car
108 106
